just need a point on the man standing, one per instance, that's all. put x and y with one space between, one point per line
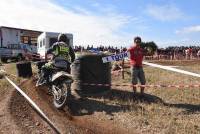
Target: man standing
136 58
198 54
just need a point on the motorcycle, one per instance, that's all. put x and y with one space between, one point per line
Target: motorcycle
58 82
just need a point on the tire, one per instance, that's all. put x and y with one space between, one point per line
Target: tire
65 92
4 60
24 69
91 69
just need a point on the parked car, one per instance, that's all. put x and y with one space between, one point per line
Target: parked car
18 52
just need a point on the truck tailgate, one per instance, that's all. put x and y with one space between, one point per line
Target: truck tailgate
4 52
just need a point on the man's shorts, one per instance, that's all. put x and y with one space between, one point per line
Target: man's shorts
138 74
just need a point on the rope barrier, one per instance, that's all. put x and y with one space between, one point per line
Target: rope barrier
150 86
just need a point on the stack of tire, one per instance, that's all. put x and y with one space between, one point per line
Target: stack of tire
90 69
24 69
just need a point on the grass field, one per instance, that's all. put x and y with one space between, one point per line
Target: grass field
178 110
4 85
162 110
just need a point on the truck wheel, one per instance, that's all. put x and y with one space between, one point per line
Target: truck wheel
19 57
4 60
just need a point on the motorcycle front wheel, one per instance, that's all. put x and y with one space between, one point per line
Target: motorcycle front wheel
40 80
61 92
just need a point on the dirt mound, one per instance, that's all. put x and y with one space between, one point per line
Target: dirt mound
6 123
27 120
16 116
24 116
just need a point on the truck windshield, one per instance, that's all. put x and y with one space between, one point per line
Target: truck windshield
52 41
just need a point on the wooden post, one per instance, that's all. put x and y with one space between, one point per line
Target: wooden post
123 69
45 57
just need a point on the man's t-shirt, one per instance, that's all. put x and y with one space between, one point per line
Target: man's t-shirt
136 56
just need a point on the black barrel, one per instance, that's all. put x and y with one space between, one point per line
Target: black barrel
24 69
90 69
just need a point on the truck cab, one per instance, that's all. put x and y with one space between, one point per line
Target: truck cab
47 39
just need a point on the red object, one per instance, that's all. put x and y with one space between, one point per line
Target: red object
190 50
136 56
45 57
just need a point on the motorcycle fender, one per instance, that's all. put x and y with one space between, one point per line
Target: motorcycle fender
61 74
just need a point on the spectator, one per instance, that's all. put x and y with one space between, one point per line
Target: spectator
198 54
188 53
171 52
136 58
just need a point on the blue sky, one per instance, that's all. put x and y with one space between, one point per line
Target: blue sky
111 22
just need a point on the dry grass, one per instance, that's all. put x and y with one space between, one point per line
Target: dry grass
177 111
4 85
10 68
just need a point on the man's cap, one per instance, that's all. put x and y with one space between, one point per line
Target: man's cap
137 39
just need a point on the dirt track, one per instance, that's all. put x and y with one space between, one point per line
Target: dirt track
19 117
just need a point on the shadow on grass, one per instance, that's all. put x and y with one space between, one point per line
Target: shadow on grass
117 99
88 106
127 96
188 108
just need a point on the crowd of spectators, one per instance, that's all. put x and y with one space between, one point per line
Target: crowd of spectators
101 48
178 53
170 53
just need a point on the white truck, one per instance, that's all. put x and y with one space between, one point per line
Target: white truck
47 39
18 52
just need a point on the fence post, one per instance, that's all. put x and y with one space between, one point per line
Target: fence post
123 69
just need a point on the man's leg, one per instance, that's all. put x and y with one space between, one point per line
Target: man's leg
134 73
134 89
142 90
142 79
46 71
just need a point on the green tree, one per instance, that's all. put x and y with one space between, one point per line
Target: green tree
151 47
